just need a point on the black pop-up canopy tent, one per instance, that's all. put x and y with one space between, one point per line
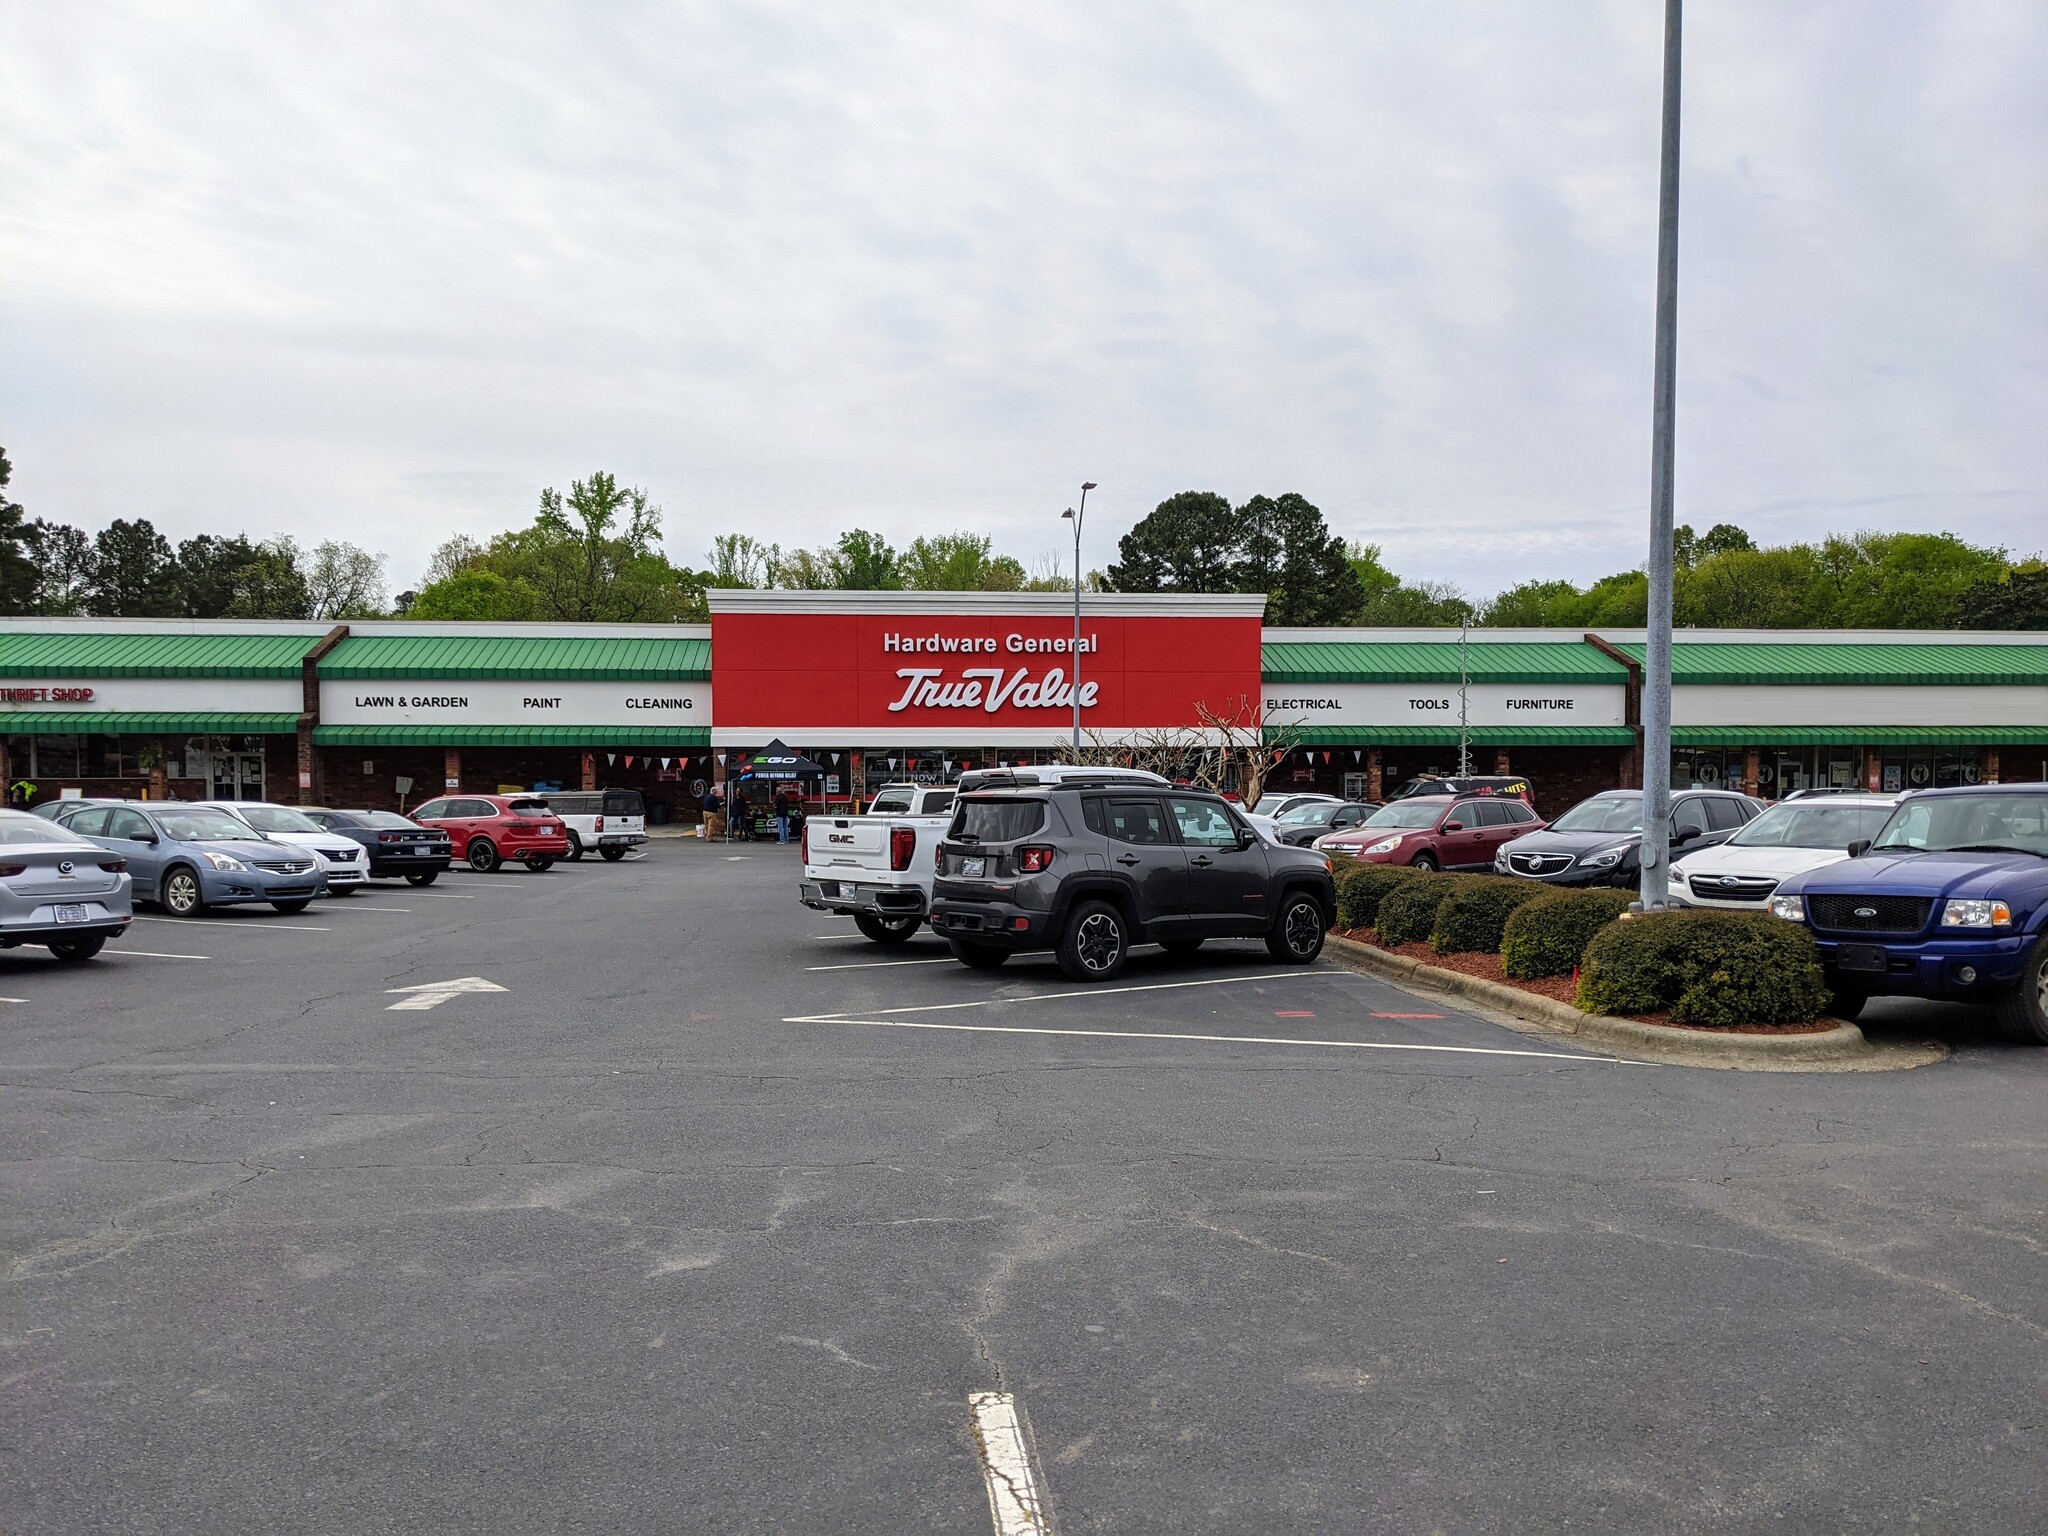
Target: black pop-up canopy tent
776 761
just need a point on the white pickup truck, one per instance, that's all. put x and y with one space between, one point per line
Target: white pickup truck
878 868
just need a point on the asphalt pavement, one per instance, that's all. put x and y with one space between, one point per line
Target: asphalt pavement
718 1218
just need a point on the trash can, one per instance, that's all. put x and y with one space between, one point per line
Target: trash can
659 813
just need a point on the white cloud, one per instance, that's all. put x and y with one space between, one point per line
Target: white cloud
363 270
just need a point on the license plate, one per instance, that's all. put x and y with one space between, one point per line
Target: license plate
1862 957
974 869
72 914
420 848
828 887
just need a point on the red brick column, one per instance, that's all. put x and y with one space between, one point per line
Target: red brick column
1500 761
1752 760
1375 783
1988 769
451 769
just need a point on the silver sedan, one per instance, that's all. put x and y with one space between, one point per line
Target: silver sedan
59 890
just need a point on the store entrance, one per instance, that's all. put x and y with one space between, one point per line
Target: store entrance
235 775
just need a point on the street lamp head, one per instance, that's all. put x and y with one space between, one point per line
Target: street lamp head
1087 485
1068 513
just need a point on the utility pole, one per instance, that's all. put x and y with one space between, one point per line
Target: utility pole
1086 487
1464 715
1656 847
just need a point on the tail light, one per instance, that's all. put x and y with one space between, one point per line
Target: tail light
803 842
114 866
8 871
902 844
1034 861
939 859
598 825
387 837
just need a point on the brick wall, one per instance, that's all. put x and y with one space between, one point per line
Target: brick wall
485 768
1560 777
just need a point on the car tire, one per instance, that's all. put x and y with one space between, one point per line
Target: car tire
291 908
180 893
482 855
1426 862
78 951
539 862
1095 944
1847 1006
982 957
426 879
1178 947
575 847
611 855
886 930
1296 937
2023 1012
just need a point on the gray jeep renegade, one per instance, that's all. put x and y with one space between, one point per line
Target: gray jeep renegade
1089 865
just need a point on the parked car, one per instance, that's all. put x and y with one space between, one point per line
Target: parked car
1302 825
1599 840
1088 866
487 830
59 890
396 846
1435 832
612 821
877 868
341 858
1266 819
1950 900
1509 786
188 857
1788 839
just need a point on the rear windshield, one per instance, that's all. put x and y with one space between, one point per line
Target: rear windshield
996 821
386 819
534 810
624 802
1813 824
29 830
1314 814
278 818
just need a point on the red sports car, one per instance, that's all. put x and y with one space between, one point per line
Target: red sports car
489 829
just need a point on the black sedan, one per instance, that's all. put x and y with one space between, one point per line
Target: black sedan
1599 840
396 846
1301 826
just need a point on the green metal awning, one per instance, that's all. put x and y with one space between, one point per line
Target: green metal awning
1481 735
592 658
620 736
152 655
1867 663
1436 661
1859 736
51 722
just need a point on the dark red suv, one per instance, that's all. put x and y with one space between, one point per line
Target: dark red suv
1435 832
489 829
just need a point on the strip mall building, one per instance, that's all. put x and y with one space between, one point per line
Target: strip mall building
881 686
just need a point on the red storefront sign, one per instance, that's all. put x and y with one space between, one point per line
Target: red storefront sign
972 668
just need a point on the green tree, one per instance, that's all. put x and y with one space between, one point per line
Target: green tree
1896 580
1192 542
741 560
1688 548
207 567
271 584
591 557
865 562
1291 555
1532 605
958 562
66 565
1746 589
135 573
18 570
478 595
804 570
2018 599
1385 600
345 581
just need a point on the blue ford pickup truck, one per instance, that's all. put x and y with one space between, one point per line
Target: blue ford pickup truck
1949 900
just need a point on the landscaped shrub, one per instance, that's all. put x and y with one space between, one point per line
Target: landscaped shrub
1549 935
1408 912
1718 969
1361 888
1471 918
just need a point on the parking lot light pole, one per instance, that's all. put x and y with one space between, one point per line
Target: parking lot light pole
1086 487
1655 891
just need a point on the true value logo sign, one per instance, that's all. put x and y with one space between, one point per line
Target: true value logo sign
989 689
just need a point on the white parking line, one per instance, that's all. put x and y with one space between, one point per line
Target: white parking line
876 965
156 954
1079 995
1141 1034
13 999
253 925
369 909
1013 1500
445 896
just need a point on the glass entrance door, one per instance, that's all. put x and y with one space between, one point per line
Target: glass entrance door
236 776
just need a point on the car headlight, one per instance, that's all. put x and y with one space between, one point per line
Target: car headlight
1975 914
1384 845
223 860
1605 858
1790 908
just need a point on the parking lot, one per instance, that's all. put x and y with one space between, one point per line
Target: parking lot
636 1197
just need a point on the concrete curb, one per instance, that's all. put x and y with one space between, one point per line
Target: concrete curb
1841 1049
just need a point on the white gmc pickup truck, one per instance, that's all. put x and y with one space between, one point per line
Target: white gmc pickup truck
878 868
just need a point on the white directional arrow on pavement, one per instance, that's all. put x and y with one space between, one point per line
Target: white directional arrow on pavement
432 994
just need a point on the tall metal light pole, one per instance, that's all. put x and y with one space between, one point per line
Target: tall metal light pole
1656 854
1086 487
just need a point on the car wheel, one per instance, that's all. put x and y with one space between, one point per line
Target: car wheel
539 862
983 957
886 930
1847 1006
289 908
77 951
575 847
2023 1012
1180 946
611 855
1095 944
181 894
1427 861
483 855
1297 934
427 879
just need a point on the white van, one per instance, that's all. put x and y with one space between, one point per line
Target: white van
609 820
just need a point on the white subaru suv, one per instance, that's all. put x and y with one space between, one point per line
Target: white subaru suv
1806 830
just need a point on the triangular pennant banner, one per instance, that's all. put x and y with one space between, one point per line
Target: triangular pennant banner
629 759
665 762
610 758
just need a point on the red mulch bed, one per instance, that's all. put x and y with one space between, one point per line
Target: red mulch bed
1561 989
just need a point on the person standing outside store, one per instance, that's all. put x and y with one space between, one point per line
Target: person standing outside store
711 805
783 807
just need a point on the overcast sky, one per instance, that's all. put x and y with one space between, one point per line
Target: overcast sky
362 271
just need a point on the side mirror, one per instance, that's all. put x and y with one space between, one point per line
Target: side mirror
1452 826
1859 848
148 840
1245 838
1684 835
